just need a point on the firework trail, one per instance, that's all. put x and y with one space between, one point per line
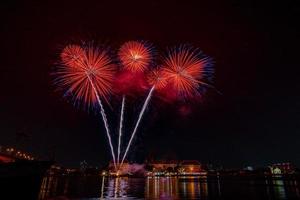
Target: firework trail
105 122
157 79
138 122
87 74
120 128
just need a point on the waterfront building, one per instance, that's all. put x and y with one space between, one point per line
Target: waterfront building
191 167
282 168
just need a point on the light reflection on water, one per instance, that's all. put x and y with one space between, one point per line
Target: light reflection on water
167 188
176 188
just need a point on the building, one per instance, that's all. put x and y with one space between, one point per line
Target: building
191 167
164 165
162 168
282 168
174 168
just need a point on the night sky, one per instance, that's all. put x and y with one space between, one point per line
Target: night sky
255 47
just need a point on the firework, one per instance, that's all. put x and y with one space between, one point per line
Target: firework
157 78
80 66
184 68
87 73
72 55
135 56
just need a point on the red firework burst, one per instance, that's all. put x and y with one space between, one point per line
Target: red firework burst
86 73
135 56
157 78
184 69
72 54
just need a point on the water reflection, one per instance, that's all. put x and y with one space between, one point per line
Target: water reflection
102 187
161 188
279 189
117 188
98 187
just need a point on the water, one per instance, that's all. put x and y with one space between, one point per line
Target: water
167 188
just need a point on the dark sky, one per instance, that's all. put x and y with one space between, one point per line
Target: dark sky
255 46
